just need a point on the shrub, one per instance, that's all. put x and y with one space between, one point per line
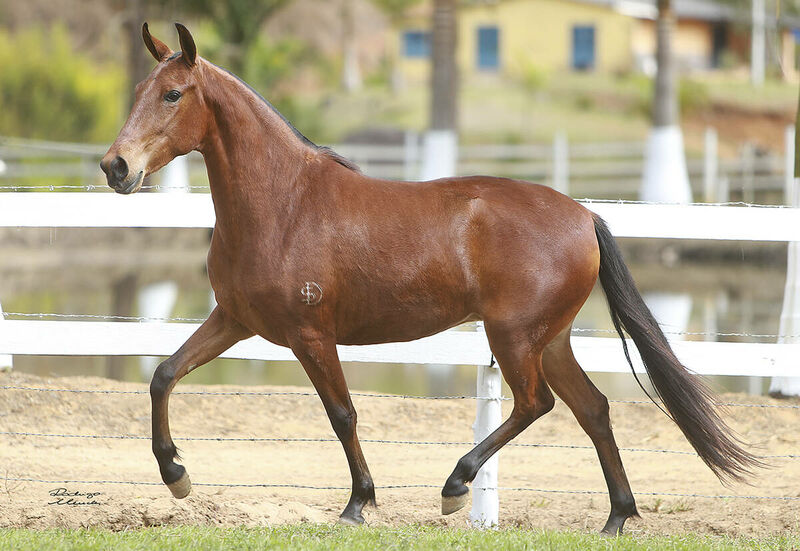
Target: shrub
693 96
48 91
533 77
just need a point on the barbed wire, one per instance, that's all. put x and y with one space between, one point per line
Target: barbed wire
359 394
587 200
719 204
253 393
397 487
45 315
698 333
102 188
362 440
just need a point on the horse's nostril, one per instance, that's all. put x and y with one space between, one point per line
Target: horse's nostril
119 168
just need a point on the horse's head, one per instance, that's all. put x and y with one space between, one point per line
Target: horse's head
166 120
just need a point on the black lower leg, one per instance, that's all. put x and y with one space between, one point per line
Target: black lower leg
623 506
343 420
165 455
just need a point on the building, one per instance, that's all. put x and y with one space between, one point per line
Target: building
612 36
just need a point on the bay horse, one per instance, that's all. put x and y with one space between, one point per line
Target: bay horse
308 252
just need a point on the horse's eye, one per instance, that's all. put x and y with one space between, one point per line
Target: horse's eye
172 96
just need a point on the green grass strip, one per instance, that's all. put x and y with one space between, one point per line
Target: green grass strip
327 537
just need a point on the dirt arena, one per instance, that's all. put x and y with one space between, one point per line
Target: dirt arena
118 506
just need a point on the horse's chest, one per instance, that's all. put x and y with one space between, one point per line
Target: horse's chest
253 294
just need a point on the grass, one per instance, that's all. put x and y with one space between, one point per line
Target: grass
500 109
325 537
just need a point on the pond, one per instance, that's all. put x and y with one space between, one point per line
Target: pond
703 288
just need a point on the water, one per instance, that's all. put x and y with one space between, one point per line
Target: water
714 287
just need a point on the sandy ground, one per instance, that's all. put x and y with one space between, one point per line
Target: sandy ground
322 463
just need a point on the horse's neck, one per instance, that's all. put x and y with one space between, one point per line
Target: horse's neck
253 157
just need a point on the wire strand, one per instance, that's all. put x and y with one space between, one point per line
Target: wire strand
362 440
252 393
397 487
45 315
361 394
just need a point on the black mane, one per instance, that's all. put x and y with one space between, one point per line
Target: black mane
325 150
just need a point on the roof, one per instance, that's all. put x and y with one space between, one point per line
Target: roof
702 10
705 10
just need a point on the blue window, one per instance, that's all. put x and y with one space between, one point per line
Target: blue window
416 44
488 48
583 47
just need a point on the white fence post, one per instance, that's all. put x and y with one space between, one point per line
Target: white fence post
665 178
6 360
748 172
411 155
156 300
485 498
790 311
175 176
440 154
711 166
561 163
788 166
758 43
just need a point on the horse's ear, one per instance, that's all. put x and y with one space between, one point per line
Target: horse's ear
159 50
187 45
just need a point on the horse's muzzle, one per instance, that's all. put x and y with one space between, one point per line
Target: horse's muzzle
119 177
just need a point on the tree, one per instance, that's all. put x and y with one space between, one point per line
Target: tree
396 11
441 141
238 23
139 61
665 100
665 179
444 74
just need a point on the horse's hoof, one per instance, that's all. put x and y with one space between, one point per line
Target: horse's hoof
451 504
181 487
350 521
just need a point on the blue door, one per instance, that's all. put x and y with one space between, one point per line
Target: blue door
488 48
583 47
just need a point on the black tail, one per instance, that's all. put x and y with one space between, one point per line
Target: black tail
689 402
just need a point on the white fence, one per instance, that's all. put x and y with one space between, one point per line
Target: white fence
597 169
83 338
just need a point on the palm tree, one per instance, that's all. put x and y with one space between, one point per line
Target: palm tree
665 101
665 179
441 141
444 74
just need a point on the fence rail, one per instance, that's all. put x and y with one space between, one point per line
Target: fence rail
195 210
600 169
745 222
595 354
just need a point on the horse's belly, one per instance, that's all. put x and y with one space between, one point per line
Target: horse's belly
381 321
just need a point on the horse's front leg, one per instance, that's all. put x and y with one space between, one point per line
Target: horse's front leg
318 355
218 333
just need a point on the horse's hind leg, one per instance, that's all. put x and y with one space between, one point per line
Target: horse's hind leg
317 353
218 333
521 364
590 407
